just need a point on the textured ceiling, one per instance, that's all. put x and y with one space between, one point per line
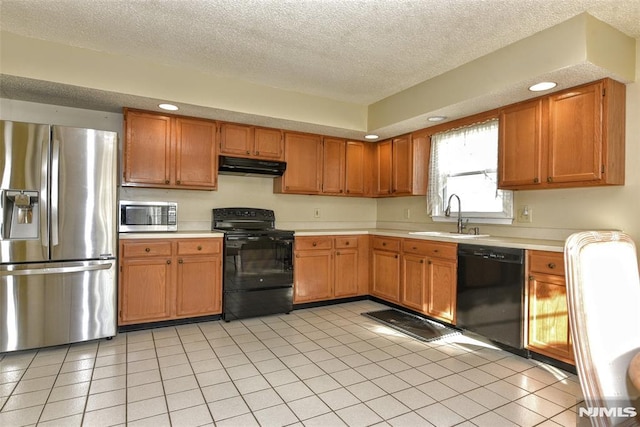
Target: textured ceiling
357 51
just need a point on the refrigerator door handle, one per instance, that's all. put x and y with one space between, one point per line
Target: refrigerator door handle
55 190
44 200
71 268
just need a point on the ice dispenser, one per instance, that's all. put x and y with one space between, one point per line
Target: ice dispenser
20 214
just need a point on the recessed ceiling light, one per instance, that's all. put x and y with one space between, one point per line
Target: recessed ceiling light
538 87
168 107
436 118
371 136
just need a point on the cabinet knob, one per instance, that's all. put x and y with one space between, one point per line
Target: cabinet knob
348 191
168 261
551 265
248 152
414 248
346 243
421 261
147 249
178 182
530 277
340 190
166 181
436 250
337 253
395 256
199 248
549 179
314 244
384 243
257 153
297 255
180 261
429 262
536 180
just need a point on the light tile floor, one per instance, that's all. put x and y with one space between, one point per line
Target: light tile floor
324 366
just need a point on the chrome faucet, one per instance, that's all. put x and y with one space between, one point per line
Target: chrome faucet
447 212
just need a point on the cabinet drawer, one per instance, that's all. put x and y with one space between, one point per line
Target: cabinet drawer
199 247
305 243
386 244
343 242
546 262
147 248
431 249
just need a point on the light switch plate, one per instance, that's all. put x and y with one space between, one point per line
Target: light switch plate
525 214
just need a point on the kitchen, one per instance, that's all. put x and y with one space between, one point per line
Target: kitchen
616 208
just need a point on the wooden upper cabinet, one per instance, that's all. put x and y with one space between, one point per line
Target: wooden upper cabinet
236 140
575 135
383 163
520 144
268 143
572 138
147 149
196 159
333 165
344 166
252 142
355 179
303 154
402 165
169 151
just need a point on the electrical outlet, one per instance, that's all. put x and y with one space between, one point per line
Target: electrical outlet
525 214
407 213
316 213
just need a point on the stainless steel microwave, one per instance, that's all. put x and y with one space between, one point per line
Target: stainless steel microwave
148 216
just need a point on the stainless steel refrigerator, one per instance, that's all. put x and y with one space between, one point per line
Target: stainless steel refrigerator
57 235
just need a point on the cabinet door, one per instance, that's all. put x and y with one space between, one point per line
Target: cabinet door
313 276
414 278
548 317
385 282
145 290
268 144
333 166
303 154
520 145
575 135
198 287
402 165
236 140
147 149
383 168
196 159
355 166
346 273
441 289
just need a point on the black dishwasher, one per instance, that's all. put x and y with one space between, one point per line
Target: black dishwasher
490 295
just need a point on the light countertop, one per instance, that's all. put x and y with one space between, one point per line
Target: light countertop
504 242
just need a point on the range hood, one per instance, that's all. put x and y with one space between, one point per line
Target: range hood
249 167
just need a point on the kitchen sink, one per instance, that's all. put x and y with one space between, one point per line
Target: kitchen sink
451 234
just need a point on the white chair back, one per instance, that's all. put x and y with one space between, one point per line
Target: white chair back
603 294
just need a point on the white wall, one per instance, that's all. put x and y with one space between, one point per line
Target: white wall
557 213
292 211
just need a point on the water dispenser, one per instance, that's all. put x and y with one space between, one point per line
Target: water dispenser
20 214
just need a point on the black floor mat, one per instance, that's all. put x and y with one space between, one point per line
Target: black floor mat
417 327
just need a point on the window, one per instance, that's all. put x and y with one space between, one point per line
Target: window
464 162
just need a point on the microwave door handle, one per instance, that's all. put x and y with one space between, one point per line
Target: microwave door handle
55 190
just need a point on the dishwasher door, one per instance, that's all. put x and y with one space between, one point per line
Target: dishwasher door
490 293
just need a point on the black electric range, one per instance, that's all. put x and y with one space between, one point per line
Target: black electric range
258 263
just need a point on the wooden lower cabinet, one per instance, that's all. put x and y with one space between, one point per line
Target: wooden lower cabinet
385 268
429 276
329 267
164 279
548 328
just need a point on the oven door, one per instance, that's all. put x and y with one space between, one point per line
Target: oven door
257 261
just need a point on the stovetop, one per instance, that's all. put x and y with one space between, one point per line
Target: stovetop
246 221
